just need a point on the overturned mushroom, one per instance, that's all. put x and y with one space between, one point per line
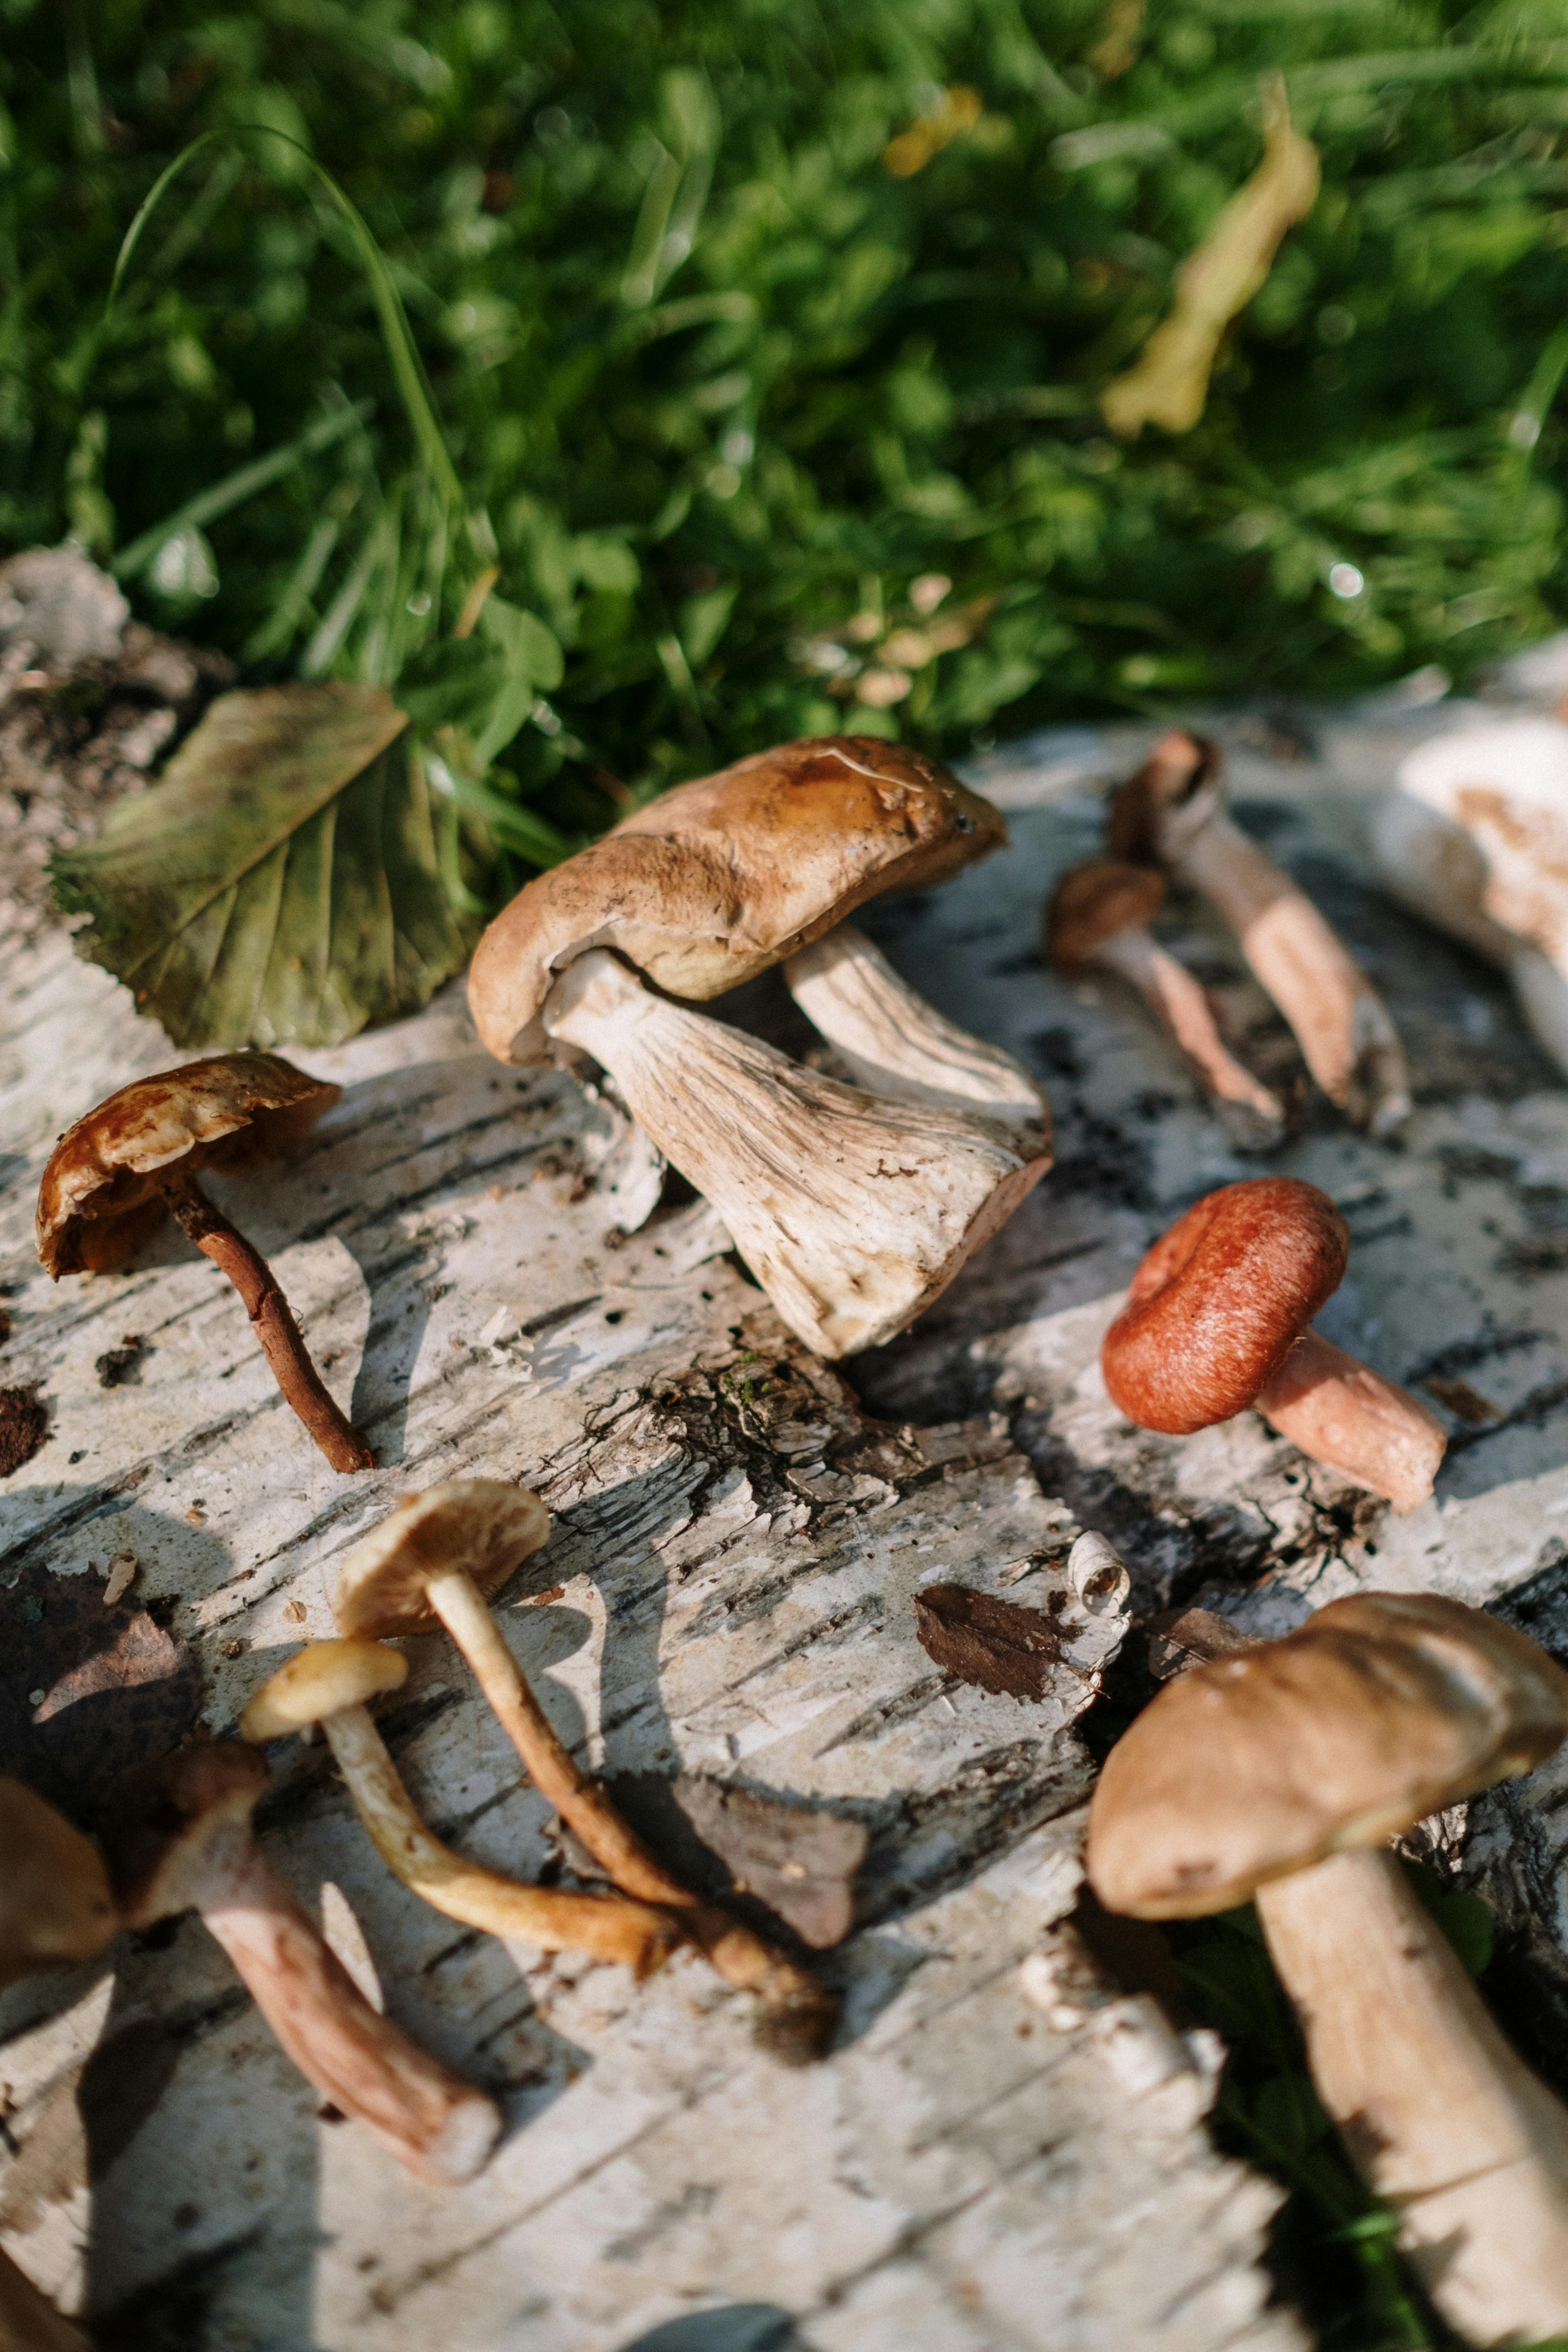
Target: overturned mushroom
1217 1319
1476 839
854 1210
110 1178
433 1560
178 1838
55 1904
1171 813
1099 915
1279 1773
328 1683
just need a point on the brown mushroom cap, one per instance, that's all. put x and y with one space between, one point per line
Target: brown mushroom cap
482 1525
1094 902
720 879
1183 771
1380 1710
1218 1303
322 1681
54 1903
162 1818
99 1199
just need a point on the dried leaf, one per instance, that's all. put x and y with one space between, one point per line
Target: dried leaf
1170 382
800 1863
282 883
23 1426
994 1644
88 1686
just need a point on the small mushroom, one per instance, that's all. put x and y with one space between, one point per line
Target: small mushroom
55 1904
853 1210
1216 1319
897 1045
178 1838
1278 1773
433 1560
110 1178
1475 840
328 1683
1099 915
1171 813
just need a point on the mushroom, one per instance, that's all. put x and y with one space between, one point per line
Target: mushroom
328 1683
433 1560
178 1838
1278 1773
112 1175
853 1210
1171 813
1216 1319
28 2320
1099 915
55 1904
1476 839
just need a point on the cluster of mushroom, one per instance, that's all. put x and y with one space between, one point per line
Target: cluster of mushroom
1168 824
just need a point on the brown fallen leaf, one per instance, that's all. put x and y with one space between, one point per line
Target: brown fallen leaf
800 1863
87 1688
993 1643
1179 1638
1170 382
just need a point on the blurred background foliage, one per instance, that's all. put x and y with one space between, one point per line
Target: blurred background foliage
767 342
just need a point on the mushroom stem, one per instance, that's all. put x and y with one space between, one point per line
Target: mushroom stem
1341 1025
897 1044
853 1213
281 1341
617 1930
1344 1413
28 2320
1437 2112
798 2015
441 2127
1252 1117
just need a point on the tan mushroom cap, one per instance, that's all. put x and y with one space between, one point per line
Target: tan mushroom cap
162 1818
482 1525
720 879
1095 901
322 1681
54 1903
1380 1710
99 1199
1181 780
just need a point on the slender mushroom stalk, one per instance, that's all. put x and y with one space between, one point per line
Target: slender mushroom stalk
853 1212
111 1177
897 1045
1277 1773
328 1683
178 1838
1216 1319
1098 919
56 1907
1171 812
433 1560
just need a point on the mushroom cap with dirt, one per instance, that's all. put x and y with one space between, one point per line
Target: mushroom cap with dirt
854 1208
56 1907
177 1835
1099 915
139 1155
720 879
1279 1771
1217 1319
1171 813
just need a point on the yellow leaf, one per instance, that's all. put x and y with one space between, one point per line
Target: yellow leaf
912 150
1170 382
1120 37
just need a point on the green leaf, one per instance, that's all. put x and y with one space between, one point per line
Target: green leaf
282 884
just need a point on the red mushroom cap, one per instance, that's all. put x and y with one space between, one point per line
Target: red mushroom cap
1218 1302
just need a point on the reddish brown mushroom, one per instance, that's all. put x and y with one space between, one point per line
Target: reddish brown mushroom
1217 1319
1099 917
1171 813
111 1177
